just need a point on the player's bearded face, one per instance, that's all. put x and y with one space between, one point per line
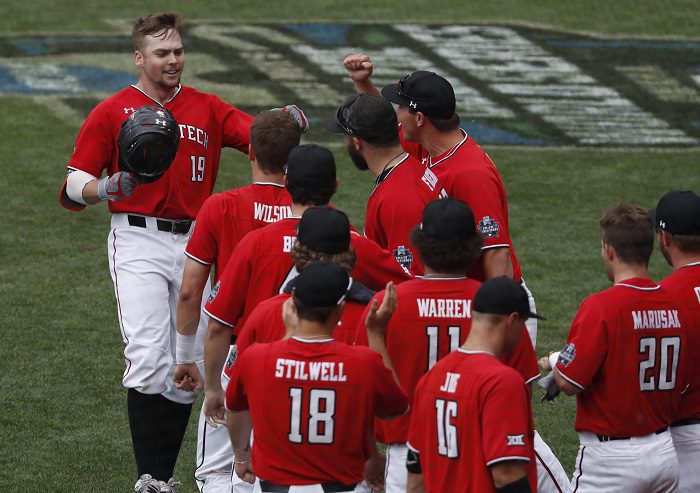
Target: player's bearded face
162 59
357 158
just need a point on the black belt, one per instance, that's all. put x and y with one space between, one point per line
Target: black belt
606 438
685 422
178 227
334 487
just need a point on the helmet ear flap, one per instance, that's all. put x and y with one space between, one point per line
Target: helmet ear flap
148 142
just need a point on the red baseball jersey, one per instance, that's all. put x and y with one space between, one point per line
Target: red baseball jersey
260 266
684 286
265 324
225 218
432 319
206 124
396 206
325 395
470 412
627 351
467 173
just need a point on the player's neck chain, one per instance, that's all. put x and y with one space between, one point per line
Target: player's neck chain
381 175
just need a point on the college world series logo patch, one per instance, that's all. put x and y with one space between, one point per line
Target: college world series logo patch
567 354
489 227
404 256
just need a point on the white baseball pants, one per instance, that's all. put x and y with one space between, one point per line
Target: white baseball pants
686 439
146 267
645 464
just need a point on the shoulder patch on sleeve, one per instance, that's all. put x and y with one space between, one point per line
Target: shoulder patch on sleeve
489 227
567 354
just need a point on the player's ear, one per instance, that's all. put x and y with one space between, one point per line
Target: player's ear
251 153
337 184
664 238
608 252
138 59
356 143
420 118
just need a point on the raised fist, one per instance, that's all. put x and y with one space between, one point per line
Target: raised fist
118 186
358 66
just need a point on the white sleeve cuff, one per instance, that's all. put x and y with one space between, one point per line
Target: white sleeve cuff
75 183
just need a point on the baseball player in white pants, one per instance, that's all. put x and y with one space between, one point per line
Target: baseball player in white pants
214 472
147 289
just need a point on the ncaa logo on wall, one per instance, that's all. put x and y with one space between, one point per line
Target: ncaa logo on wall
514 85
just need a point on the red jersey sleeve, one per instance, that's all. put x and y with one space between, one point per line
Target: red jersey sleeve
236 126
236 393
95 147
482 190
586 346
390 399
504 419
203 245
227 300
375 266
523 359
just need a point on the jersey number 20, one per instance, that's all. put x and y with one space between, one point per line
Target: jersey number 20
661 375
320 426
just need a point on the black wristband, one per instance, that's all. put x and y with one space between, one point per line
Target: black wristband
522 485
413 462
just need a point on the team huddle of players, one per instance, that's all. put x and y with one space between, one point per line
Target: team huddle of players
317 342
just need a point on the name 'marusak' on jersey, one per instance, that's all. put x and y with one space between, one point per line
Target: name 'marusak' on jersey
628 351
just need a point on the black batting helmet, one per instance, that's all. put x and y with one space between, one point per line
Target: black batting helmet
148 141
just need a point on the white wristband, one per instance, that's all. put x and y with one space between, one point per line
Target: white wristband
553 359
185 348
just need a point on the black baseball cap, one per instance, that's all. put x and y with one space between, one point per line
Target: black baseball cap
503 296
423 91
678 212
324 229
310 166
321 284
366 116
448 219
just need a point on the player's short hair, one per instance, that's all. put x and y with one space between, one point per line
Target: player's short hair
303 256
447 256
319 314
444 124
273 135
302 195
629 230
686 243
158 25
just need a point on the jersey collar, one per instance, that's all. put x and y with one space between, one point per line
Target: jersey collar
179 88
385 174
312 341
465 351
425 278
447 154
692 264
268 183
640 283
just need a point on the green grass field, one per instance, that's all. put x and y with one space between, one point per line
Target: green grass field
63 423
